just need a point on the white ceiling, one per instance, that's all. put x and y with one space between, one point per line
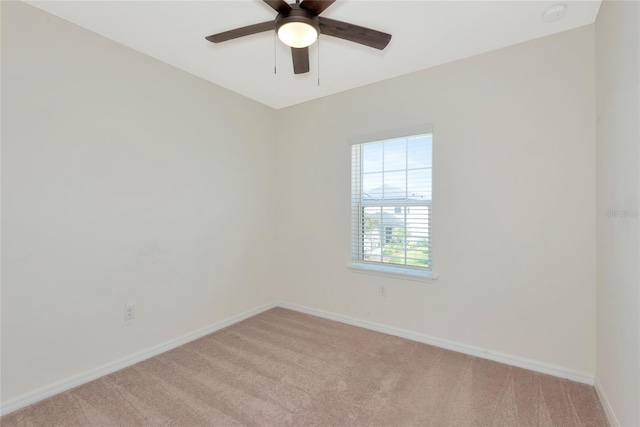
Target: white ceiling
425 34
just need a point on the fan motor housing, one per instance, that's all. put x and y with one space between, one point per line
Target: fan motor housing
297 14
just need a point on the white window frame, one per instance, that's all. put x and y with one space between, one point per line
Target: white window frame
382 268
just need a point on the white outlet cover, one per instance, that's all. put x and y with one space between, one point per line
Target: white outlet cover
129 311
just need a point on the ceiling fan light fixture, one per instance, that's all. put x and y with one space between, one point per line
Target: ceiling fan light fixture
297 34
297 27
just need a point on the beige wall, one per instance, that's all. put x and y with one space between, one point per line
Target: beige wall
618 153
514 197
123 180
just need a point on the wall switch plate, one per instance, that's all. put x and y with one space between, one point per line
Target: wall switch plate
129 311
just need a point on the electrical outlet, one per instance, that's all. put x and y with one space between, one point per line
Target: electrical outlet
129 311
382 291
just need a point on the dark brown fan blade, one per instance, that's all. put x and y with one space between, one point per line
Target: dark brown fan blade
354 33
241 32
316 6
278 5
300 60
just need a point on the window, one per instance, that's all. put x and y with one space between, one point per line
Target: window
389 234
391 205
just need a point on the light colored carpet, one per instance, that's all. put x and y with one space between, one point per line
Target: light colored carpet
283 368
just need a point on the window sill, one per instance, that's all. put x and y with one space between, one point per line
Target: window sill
396 272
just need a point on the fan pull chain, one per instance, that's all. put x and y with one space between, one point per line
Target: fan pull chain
275 62
318 61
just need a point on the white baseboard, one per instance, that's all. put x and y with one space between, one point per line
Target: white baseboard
608 410
520 362
76 380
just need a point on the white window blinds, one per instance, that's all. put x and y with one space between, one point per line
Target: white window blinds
391 203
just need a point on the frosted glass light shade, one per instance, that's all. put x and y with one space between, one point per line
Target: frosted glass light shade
297 34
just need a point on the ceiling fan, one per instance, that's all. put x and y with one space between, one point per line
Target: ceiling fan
298 26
